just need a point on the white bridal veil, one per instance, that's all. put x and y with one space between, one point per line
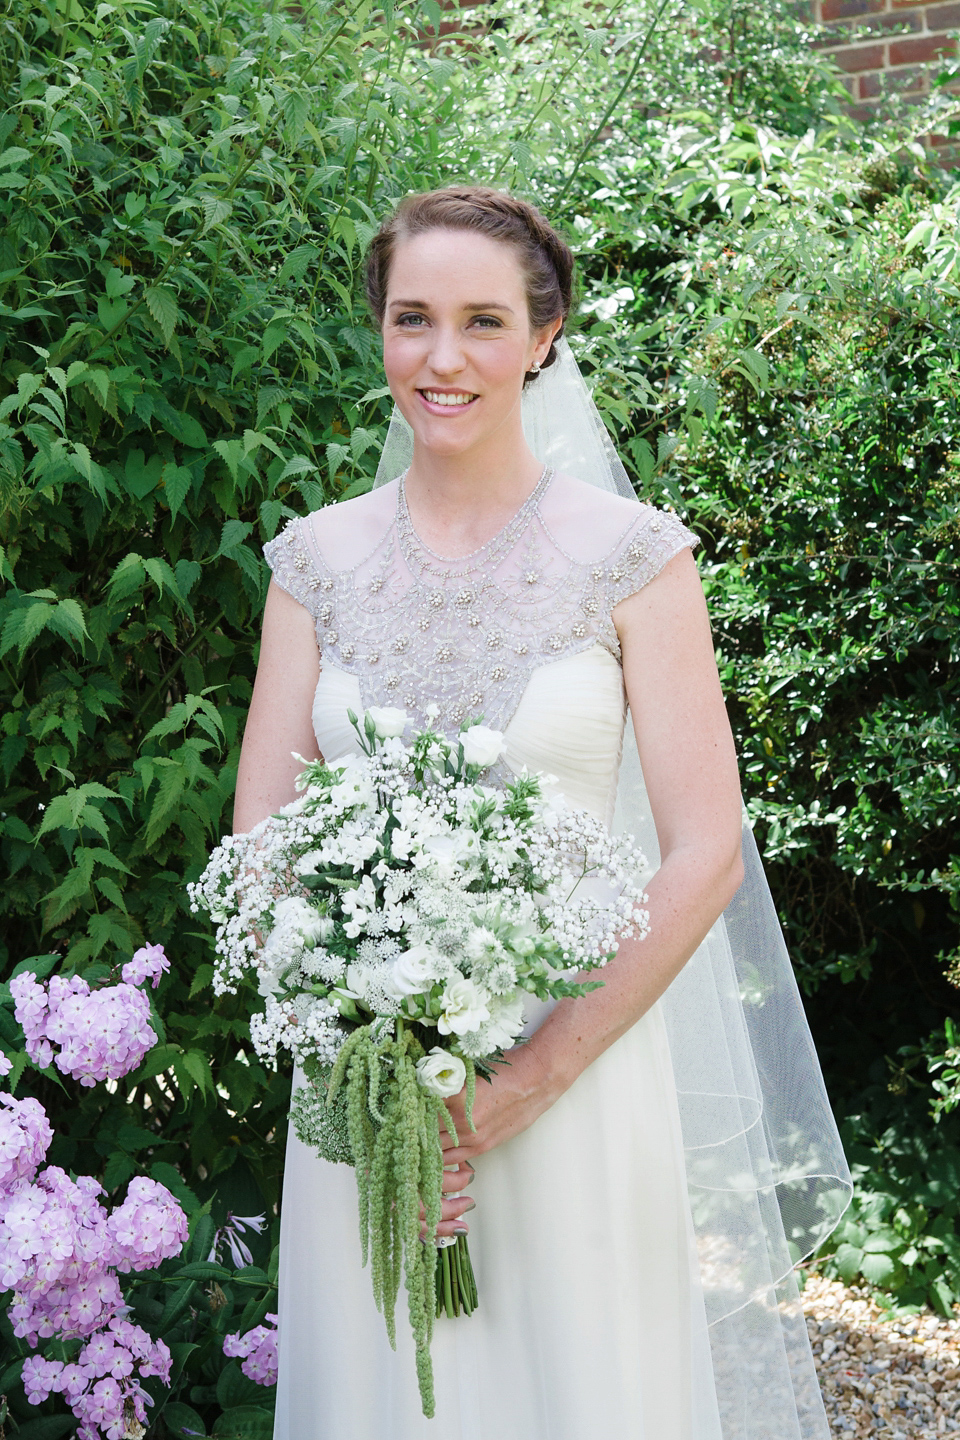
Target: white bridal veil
766 1173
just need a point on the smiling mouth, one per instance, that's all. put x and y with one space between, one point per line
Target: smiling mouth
451 400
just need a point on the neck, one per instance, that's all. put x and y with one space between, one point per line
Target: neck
458 502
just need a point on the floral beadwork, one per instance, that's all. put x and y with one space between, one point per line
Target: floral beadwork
464 635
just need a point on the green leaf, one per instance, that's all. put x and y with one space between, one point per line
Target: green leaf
849 1259
181 1421
204 1270
877 1268
46 1427
246 1422
176 1306
234 1389
118 1169
297 263
177 481
197 1067
162 304
757 362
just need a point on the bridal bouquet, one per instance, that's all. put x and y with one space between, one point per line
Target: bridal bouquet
396 916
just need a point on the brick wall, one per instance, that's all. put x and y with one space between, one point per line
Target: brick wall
894 44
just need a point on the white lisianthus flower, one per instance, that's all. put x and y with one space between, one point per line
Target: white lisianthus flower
412 973
481 745
295 914
388 721
464 1008
441 1073
506 1020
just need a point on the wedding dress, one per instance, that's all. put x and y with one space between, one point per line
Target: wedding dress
633 1248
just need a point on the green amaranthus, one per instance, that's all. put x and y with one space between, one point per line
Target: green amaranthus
377 1116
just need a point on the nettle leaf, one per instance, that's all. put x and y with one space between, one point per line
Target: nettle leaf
162 304
177 482
297 263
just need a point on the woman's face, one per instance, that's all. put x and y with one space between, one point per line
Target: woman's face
457 340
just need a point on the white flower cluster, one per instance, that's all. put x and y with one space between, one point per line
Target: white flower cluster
399 886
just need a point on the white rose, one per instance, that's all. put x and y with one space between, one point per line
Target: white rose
412 973
481 745
388 721
441 1073
464 1008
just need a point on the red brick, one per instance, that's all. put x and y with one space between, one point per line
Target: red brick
871 86
943 17
920 50
859 57
848 9
909 81
907 4
902 23
863 114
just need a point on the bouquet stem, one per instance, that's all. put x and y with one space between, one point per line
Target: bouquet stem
455 1284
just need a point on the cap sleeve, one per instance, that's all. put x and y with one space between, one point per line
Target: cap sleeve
653 540
297 566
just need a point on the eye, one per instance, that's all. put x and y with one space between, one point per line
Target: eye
488 322
411 319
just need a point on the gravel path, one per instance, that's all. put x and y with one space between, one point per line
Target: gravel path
889 1379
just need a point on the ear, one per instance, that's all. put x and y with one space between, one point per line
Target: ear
544 339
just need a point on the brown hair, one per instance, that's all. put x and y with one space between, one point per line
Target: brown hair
545 257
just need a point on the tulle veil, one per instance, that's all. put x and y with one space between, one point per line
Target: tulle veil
766 1174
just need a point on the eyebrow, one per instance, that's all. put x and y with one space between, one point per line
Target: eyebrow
425 305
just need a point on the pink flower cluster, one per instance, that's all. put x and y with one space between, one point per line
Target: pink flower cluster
25 1135
60 1250
99 1385
148 963
258 1351
102 1033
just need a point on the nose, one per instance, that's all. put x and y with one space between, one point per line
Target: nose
446 353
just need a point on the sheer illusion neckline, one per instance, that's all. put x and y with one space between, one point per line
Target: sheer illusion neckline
411 542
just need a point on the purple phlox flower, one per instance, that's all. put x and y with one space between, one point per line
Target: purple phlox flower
6 1064
40 1378
148 1227
257 1350
148 963
230 1234
25 1136
103 1034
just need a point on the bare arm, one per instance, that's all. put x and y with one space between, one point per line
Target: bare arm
279 721
688 759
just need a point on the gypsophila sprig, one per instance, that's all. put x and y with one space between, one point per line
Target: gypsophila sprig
396 915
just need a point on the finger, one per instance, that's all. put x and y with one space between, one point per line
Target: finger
456 1178
452 1213
458 1155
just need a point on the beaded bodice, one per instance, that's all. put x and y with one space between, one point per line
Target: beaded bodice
464 635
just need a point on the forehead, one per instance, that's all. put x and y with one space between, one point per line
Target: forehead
450 264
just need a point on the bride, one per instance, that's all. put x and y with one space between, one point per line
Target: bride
649 1166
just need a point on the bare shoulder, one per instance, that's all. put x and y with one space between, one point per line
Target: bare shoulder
345 533
592 525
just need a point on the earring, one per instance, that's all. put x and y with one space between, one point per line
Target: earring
534 368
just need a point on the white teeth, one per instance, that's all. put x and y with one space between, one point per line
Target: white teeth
436 397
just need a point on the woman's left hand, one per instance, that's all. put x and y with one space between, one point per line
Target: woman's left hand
519 1093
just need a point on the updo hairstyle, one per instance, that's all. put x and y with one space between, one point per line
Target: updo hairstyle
545 257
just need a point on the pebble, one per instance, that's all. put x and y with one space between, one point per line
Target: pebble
888 1377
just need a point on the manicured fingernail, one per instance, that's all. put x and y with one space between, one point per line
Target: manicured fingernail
471 1205
460 1230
